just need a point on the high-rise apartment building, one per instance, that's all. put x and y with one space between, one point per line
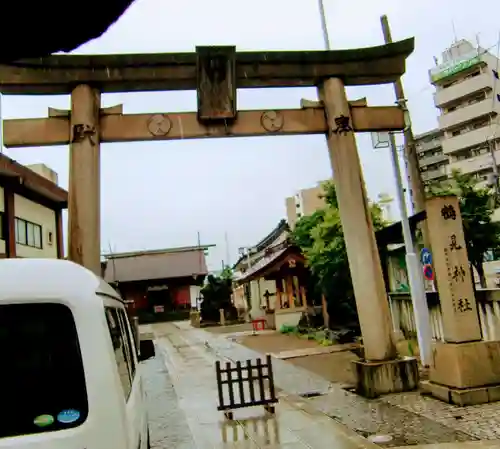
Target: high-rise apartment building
467 95
434 164
304 202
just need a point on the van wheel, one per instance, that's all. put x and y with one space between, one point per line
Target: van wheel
148 443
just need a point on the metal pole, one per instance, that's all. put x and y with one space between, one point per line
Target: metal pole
135 327
1 125
415 276
324 26
491 147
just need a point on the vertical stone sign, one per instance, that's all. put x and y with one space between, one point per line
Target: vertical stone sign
451 264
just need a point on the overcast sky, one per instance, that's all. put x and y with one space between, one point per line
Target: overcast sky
238 186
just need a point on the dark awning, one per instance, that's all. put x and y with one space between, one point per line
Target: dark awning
40 28
394 232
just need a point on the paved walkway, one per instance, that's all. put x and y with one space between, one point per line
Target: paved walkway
190 365
366 417
167 422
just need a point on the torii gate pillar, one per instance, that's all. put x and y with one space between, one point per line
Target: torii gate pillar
381 372
84 203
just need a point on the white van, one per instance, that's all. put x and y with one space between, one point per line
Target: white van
68 361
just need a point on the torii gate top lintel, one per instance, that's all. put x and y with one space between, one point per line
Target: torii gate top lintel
59 74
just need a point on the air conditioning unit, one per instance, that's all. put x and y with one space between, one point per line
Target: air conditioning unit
491 179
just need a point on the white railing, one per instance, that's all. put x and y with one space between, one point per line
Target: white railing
488 305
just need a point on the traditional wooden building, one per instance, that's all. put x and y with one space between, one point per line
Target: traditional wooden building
31 206
253 292
158 282
283 265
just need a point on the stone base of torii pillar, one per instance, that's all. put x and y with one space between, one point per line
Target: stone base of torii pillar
391 376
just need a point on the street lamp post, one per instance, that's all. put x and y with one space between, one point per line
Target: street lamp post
415 276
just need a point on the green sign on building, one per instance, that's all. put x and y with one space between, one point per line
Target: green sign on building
440 73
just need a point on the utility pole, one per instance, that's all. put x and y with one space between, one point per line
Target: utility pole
417 196
228 256
494 168
324 25
417 192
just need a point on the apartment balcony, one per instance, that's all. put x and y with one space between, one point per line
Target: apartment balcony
424 162
467 113
433 175
442 97
426 146
466 140
476 163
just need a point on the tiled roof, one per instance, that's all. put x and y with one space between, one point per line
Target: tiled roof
270 262
155 266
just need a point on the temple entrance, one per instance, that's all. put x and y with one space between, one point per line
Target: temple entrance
216 73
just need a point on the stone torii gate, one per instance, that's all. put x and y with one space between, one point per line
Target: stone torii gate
216 73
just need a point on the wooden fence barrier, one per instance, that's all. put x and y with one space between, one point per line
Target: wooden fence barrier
241 388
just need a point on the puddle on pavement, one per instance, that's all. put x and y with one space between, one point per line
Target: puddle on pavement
311 394
261 429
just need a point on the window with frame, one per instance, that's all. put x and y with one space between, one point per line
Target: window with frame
480 124
125 362
129 340
477 98
42 379
28 233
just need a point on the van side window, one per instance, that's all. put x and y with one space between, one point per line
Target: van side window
120 349
125 326
42 379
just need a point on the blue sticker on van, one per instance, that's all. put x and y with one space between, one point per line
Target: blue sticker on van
68 416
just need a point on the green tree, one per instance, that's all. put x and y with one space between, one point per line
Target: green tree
216 295
227 273
321 239
301 235
477 208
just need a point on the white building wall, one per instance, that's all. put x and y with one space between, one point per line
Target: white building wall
39 215
194 294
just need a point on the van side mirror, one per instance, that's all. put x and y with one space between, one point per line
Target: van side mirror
146 350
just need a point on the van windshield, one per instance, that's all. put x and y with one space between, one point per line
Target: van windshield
42 382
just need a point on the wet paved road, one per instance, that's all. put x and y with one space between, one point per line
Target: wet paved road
167 423
183 403
364 416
